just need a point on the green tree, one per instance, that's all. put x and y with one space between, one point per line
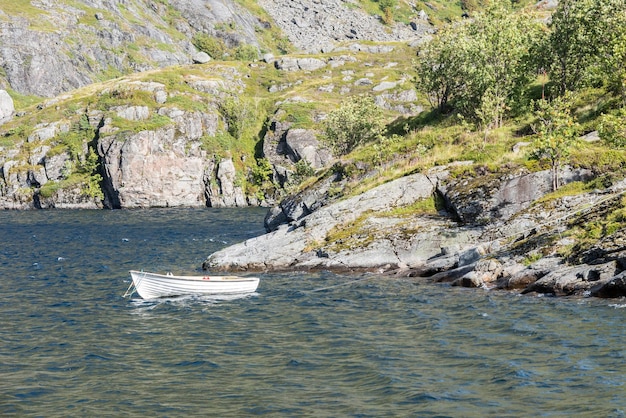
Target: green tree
439 66
358 120
556 133
481 66
612 45
498 66
586 44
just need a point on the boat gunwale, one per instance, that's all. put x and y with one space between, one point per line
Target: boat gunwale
230 278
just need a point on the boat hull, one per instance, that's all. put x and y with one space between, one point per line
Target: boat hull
152 285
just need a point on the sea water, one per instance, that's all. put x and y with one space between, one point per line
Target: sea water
305 344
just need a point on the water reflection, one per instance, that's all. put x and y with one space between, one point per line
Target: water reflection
185 301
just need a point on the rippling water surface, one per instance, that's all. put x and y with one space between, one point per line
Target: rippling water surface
318 345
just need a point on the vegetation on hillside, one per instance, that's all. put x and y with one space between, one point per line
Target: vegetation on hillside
500 77
503 78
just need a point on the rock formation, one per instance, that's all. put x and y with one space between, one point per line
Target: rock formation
457 245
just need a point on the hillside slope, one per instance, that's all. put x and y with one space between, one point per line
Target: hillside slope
47 48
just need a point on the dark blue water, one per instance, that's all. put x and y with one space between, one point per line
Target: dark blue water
317 345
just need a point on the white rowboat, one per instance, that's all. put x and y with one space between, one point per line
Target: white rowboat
153 285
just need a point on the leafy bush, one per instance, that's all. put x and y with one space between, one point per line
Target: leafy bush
235 112
246 52
215 47
357 121
612 129
262 172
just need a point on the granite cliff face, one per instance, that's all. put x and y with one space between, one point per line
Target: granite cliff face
151 155
48 48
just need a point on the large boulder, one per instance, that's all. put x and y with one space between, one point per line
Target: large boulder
7 107
293 245
612 288
303 145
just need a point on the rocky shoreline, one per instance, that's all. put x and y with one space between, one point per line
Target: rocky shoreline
520 248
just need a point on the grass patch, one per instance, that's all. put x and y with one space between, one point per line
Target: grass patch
570 189
155 122
428 206
350 236
38 18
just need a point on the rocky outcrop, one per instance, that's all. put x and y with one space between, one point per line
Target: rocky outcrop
307 234
106 40
300 244
315 26
224 192
571 280
614 287
486 197
148 155
152 169
283 147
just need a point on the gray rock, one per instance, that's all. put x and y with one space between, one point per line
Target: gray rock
471 256
593 136
160 96
7 109
385 85
153 168
303 144
55 166
488 198
363 82
439 264
572 280
311 64
230 194
201 58
519 146
470 279
284 247
134 113
46 131
313 26
296 64
67 198
521 278
612 288
452 275
547 4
